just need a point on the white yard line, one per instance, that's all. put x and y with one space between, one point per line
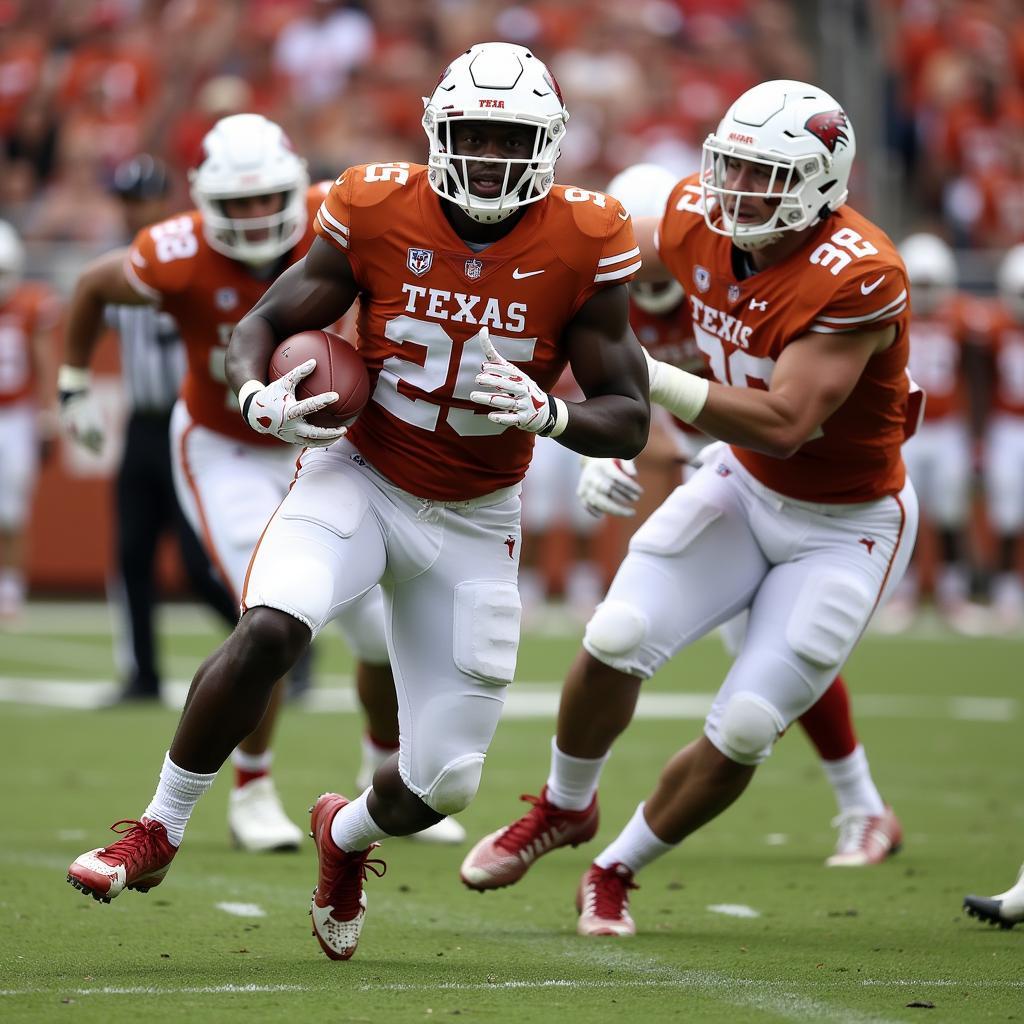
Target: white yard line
528 700
242 909
733 910
153 990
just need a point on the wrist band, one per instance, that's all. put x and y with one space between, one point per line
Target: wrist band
245 396
558 418
72 378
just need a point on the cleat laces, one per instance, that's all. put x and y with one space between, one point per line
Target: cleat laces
853 829
607 894
134 846
529 828
347 885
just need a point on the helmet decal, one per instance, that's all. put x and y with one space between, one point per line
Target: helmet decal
831 127
553 82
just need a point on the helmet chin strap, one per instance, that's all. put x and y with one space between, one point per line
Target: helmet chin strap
753 244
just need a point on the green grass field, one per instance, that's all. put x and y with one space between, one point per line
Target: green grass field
941 720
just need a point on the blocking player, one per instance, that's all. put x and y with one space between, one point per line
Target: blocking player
206 268
869 830
478 280
28 318
803 516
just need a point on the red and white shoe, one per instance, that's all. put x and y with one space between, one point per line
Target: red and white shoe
138 860
603 901
339 903
503 857
865 839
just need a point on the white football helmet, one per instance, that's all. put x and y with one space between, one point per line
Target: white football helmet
247 155
643 190
12 261
1010 281
805 144
495 82
931 268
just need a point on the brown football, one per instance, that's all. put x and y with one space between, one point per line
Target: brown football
339 368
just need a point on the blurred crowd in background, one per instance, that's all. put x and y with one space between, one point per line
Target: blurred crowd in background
87 84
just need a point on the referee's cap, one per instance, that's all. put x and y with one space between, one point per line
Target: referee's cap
141 177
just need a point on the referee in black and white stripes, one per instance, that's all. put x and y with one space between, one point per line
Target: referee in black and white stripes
152 364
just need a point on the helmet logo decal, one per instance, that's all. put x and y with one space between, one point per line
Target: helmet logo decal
746 140
553 82
830 126
493 103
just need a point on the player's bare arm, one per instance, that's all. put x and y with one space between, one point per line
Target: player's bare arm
653 269
103 282
315 291
812 378
608 365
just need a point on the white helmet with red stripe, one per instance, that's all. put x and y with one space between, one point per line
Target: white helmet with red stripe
12 261
643 190
801 139
246 155
495 82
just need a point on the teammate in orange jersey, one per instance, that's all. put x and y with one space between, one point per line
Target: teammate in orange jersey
478 280
206 268
1004 444
661 319
28 317
803 515
943 358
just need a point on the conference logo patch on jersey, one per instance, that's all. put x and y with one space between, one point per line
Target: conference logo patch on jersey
419 261
831 127
225 298
702 278
474 268
734 293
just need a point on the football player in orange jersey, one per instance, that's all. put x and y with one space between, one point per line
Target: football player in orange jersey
1004 443
943 360
28 317
663 326
206 268
478 279
803 517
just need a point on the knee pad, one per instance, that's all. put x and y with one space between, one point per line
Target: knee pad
615 629
749 728
362 625
455 785
828 616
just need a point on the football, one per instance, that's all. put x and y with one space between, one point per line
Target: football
339 368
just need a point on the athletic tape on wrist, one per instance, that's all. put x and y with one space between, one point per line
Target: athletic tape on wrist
72 379
558 413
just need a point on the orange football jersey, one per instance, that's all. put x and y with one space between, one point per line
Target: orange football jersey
846 276
31 308
425 296
1006 337
936 353
207 293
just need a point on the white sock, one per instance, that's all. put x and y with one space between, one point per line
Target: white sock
353 829
635 846
177 793
572 782
851 780
252 762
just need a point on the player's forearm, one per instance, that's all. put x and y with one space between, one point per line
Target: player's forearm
607 426
249 351
758 420
84 324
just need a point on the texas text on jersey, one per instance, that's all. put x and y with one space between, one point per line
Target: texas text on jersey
207 293
428 294
847 276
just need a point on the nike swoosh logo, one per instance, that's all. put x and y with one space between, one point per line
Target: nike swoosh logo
867 289
519 275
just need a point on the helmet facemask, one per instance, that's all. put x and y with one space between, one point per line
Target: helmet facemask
254 240
785 190
524 180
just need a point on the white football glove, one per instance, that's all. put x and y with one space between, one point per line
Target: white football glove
519 401
608 486
80 415
274 409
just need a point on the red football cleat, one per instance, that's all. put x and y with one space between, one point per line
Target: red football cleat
503 857
603 901
139 860
865 839
339 903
